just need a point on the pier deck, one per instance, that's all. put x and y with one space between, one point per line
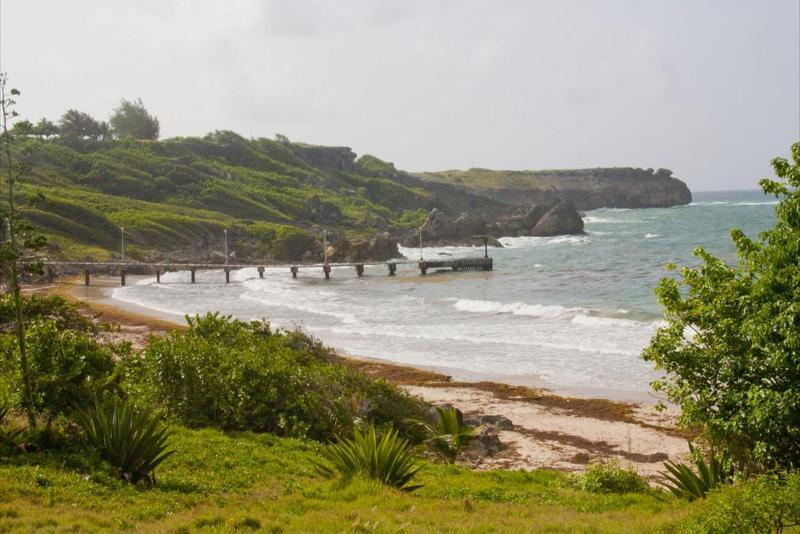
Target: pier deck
123 268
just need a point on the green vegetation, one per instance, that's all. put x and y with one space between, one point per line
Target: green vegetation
244 376
387 459
683 482
131 440
176 196
737 375
131 119
610 477
447 434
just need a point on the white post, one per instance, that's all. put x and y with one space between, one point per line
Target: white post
122 244
226 245
325 246
420 243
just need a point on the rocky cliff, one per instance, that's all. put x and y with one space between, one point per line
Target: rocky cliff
585 189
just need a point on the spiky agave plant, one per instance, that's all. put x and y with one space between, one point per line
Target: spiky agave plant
131 440
447 435
387 459
683 482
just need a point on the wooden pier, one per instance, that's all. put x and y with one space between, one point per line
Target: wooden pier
124 268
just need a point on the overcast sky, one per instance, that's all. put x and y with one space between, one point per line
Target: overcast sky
709 89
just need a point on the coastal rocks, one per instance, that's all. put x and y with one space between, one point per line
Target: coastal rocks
467 229
486 443
560 219
379 247
498 422
548 219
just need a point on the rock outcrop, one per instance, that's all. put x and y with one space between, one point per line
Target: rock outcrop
337 158
379 247
319 212
470 229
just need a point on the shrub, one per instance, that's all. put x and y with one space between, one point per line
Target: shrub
388 460
686 484
9 439
65 315
447 435
68 367
768 503
737 375
243 376
131 440
610 477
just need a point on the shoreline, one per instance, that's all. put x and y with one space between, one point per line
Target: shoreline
549 430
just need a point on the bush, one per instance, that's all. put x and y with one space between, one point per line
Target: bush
610 477
736 376
243 376
769 503
131 440
388 460
65 315
69 368
447 435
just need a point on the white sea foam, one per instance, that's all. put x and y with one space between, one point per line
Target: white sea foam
552 311
123 294
532 241
651 236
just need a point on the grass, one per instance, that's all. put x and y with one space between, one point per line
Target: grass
243 481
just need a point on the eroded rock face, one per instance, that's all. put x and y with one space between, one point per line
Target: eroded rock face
338 158
320 212
379 247
560 219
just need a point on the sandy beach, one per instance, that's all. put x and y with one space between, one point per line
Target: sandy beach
546 430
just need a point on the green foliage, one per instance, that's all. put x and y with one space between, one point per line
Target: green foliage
610 477
79 125
291 243
68 367
243 376
684 483
131 440
767 503
731 346
49 307
131 119
9 438
447 435
387 459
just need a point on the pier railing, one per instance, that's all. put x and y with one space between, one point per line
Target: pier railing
94 267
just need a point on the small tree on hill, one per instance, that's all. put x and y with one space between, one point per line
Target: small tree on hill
45 128
78 124
731 346
131 119
17 242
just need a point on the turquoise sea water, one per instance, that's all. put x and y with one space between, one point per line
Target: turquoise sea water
569 312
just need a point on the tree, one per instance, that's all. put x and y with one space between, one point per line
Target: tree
45 128
78 124
18 241
731 346
131 119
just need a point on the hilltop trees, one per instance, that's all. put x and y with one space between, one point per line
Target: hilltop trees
131 119
731 346
78 124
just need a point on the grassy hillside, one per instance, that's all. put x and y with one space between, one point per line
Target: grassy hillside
179 194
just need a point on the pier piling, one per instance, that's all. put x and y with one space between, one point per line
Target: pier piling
261 272
158 276
327 270
227 276
192 271
360 269
294 271
392 269
122 277
86 277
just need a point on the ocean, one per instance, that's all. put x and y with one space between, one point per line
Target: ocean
570 313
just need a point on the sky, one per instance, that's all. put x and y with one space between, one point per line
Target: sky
707 88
